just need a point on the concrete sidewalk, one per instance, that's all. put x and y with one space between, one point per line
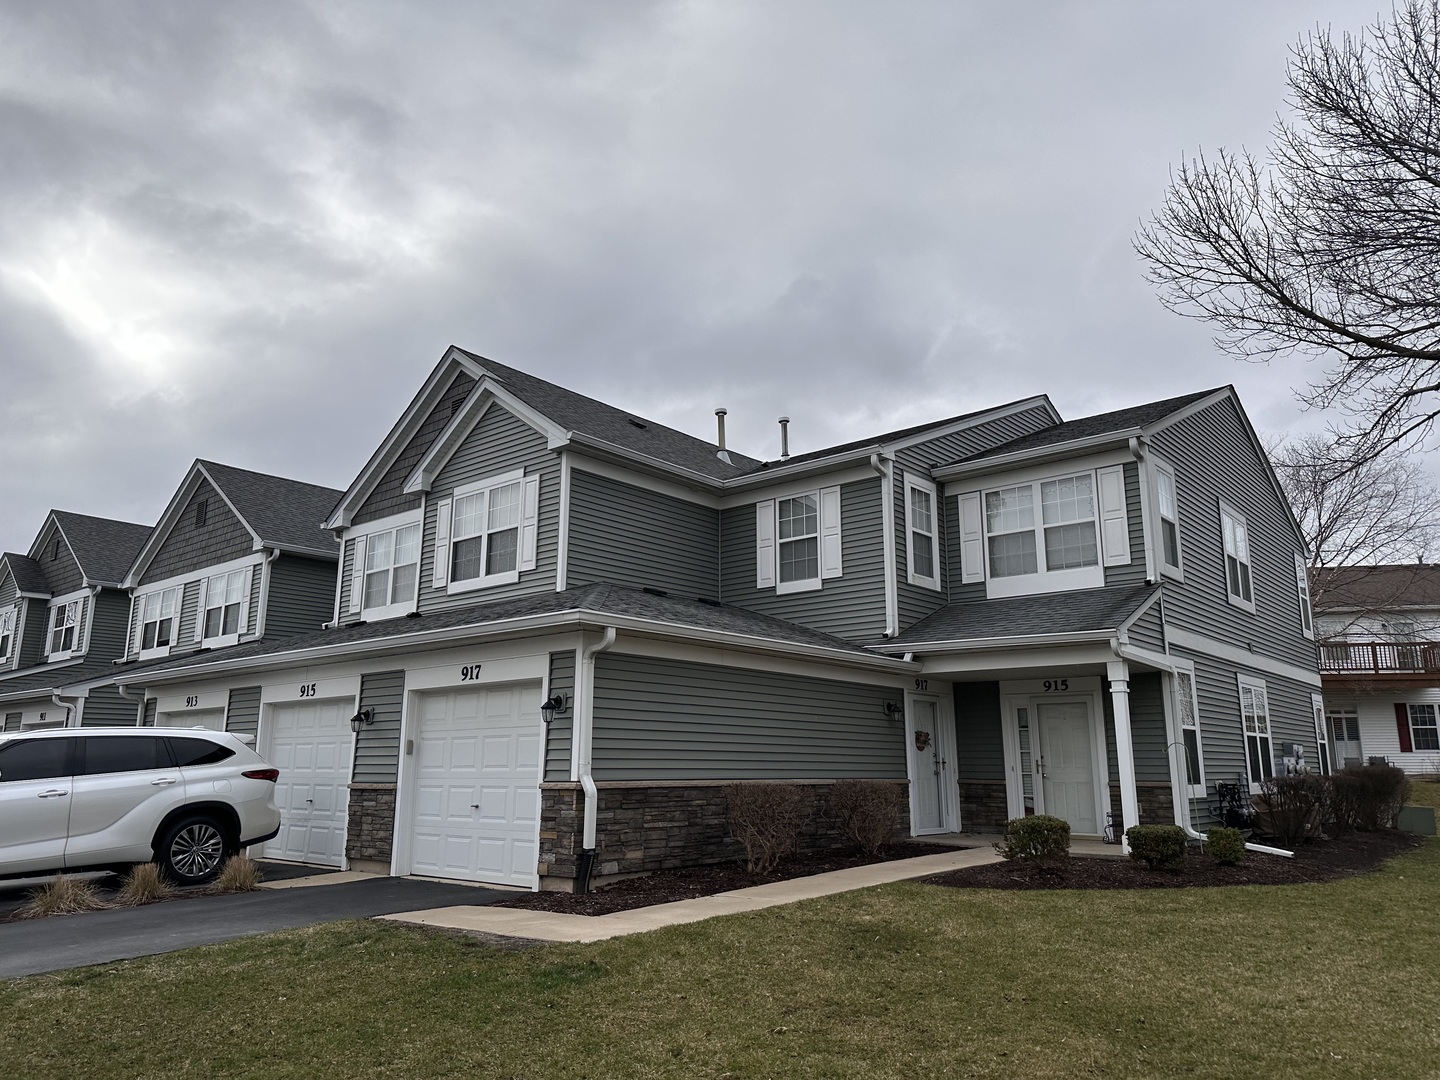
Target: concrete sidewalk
554 926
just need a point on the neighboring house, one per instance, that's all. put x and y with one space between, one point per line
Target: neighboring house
1380 662
63 608
561 629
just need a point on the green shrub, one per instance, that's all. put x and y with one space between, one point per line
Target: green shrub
1159 847
1226 846
1039 838
868 811
1367 797
767 819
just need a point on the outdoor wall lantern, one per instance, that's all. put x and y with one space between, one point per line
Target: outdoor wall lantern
551 706
894 710
363 718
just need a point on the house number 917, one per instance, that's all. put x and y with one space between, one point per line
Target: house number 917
469 672
1056 684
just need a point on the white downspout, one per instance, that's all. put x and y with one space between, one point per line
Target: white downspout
584 740
260 615
69 709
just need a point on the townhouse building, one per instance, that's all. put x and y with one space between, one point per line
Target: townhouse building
559 629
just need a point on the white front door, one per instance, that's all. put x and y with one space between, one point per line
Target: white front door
310 743
211 719
1066 764
476 808
929 766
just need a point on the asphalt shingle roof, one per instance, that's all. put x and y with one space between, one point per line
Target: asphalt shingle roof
600 599
42 680
576 412
1376 588
1085 427
104 548
1022 616
286 513
29 578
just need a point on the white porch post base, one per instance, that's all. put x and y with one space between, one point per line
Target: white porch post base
1118 672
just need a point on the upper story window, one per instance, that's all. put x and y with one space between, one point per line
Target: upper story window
157 618
1238 580
64 623
1167 503
392 567
1302 588
223 600
486 533
921 545
797 540
1255 718
7 633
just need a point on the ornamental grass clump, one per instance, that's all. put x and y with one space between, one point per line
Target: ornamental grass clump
239 874
63 895
1159 847
1225 846
767 819
144 885
868 811
1039 839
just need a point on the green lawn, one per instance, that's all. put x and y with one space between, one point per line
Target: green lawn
907 980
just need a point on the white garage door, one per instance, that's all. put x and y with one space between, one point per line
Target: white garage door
310 744
477 786
214 719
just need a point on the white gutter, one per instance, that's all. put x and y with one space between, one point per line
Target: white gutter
883 464
583 735
1078 637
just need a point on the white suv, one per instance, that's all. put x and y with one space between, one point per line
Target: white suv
96 798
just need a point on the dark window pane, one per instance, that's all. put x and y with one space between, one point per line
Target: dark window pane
38 759
212 622
500 559
1192 756
232 618
121 753
198 751
467 563
1172 543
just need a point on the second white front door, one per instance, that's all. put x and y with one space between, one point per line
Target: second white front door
1066 764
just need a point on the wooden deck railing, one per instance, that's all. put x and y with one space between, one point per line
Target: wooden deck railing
1380 657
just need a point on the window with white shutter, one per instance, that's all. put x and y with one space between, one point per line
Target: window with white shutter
493 532
798 542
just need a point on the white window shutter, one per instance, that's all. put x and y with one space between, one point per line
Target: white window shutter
529 523
244 625
137 621
200 610
357 574
972 539
440 574
765 544
1114 521
830 532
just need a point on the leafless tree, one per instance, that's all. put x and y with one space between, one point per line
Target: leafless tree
1331 246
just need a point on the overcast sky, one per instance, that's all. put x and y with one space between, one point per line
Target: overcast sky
247 231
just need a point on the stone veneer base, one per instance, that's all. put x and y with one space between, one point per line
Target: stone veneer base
370 825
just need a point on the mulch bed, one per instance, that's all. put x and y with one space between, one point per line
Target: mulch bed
1319 860
665 886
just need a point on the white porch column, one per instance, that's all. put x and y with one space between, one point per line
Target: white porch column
1118 672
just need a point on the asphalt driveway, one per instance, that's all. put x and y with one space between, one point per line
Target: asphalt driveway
101 937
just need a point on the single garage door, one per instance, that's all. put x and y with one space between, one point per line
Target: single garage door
310 743
477 786
214 719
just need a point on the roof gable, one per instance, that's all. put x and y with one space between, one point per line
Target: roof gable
102 548
1376 588
25 572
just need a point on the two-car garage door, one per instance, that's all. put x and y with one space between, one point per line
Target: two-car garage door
476 798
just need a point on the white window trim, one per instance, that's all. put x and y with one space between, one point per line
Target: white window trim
1410 708
1042 581
1302 597
359 548
13 615
1326 753
1226 510
1160 467
60 602
222 640
916 483
138 603
1244 682
828 537
1187 667
526 539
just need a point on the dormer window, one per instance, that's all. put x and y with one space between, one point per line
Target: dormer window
64 618
157 617
392 567
486 533
224 600
7 634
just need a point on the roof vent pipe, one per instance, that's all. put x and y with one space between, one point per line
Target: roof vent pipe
720 428
784 438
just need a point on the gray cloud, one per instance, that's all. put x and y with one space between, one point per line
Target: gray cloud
247 231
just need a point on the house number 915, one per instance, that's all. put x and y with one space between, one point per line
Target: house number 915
1056 684
469 672
307 689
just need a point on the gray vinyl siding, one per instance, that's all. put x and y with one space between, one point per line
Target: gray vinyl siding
661 719
105 637
8 591
1148 735
980 746
377 746
625 535
558 737
12 721
61 571
148 717
242 711
1133 572
388 498
851 606
499 443
1147 632
188 548
1215 458
104 707
302 596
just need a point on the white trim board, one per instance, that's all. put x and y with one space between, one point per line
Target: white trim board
1219 650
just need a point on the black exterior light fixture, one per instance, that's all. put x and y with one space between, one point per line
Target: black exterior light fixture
894 710
363 718
552 705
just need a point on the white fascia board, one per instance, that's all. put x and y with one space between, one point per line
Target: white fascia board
1129 620
785 488
967 645
991 663
643 480
1036 455
482 395
1233 654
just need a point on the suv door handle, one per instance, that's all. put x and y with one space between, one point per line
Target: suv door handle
53 793
164 781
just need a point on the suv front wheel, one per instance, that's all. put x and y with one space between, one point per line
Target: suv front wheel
192 850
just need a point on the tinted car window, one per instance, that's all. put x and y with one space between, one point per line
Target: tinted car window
38 759
199 751
122 753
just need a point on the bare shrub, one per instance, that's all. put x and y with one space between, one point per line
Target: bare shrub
239 874
868 811
144 885
766 819
64 895
1293 807
1368 797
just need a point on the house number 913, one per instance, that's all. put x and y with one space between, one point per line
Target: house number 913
1056 684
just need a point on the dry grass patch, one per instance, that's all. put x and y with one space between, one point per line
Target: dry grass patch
64 895
239 874
144 885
